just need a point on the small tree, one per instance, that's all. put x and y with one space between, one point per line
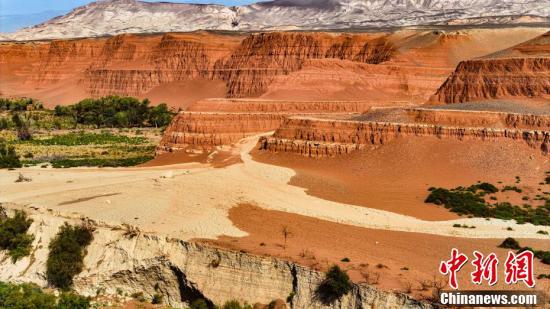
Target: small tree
285 231
22 126
335 285
67 251
8 157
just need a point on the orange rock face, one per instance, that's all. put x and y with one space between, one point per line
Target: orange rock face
473 80
521 72
207 130
385 67
479 119
328 138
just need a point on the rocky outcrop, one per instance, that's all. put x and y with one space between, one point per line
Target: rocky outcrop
121 260
478 119
205 130
279 106
328 138
482 79
260 57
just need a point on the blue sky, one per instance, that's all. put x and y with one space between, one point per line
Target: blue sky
15 14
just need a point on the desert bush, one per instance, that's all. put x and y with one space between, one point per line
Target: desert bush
22 127
235 304
510 243
14 237
335 285
20 104
30 296
465 201
73 301
67 251
199 304
8 157
25 296
157 299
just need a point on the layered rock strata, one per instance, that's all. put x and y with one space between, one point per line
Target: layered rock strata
121 258
279 106
328 138
482 79
479 119
203 130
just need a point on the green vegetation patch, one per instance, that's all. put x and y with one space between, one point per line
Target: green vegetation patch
115 111
511 243
20 104
469 201
67 251
122 162
30 296
8 157
83 138
335 285
14 237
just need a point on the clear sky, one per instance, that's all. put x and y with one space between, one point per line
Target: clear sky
16 14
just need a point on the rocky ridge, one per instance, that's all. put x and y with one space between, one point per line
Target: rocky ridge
112 17
328 138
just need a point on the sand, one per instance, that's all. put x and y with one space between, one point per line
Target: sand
396 177
319 244
192 200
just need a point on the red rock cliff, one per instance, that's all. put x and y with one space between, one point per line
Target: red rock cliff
327 138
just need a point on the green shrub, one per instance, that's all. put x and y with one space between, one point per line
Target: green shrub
510 243
14 237
335 285
199 304
25 296
512 188
157 299
67 251
234 304
30 296
73 301
8 157
467 201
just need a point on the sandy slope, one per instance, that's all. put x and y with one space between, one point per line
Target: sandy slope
192 200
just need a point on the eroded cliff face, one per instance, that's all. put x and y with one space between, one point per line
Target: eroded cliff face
479 119
203 130
279 106
327 138
407 65
520 78
261 57
121 258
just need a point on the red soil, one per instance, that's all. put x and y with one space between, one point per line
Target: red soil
378 253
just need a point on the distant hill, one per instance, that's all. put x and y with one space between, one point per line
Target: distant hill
112 17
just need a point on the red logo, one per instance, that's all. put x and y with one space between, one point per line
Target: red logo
452 266
518 267
485 268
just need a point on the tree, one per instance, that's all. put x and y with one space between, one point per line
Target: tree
335 285
22 127
8 157
285 231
